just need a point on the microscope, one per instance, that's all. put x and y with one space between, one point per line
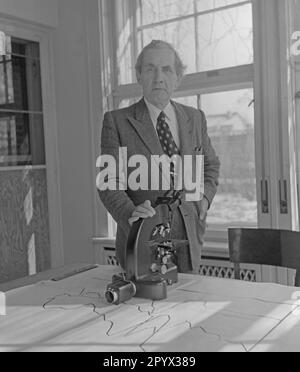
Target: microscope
150 256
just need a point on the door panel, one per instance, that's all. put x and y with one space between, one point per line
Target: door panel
24 225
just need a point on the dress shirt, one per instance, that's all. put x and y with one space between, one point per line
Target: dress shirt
171 119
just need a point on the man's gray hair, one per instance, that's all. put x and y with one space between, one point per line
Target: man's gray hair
160 44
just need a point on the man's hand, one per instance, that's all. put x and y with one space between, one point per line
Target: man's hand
142 211
203 209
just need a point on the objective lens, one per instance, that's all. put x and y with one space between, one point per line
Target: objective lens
111 297
164 269
119 292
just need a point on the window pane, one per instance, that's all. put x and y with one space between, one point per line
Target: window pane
21 119
20 79
128 102
25 48
231 129
188 101
18 48
6 83
21 139
125 59
225 39
203 5
180 34
156 10
218 39
152 11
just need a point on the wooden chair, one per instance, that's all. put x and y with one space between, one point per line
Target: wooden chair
265 247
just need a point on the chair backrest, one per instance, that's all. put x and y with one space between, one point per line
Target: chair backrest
265 247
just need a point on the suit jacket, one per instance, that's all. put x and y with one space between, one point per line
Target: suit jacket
132 127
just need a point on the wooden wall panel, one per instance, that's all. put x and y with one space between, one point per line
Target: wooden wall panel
24 224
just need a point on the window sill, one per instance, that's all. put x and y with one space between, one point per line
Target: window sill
104 241
216 250
211 249
22 168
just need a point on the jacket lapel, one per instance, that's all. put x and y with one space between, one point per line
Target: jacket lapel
143 125
145 128
185 125
146 131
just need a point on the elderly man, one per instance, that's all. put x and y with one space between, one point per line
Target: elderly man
156 125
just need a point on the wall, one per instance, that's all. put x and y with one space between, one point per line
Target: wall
44 12
77 69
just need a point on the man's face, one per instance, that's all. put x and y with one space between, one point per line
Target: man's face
158 77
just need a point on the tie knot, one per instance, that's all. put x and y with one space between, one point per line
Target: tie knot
162 116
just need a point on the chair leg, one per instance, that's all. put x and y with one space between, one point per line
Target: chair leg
297 279
237 271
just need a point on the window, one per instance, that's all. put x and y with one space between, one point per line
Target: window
230 119
231 129
21 116
213 36
238 73
215 41
24 213
28 166
210 35
296 76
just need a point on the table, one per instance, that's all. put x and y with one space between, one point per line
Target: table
200 314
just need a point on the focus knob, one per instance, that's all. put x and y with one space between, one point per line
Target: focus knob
164 270
154 268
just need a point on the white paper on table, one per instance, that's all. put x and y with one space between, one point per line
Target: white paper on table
199 314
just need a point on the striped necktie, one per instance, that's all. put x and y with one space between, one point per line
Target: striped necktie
165 136
166 139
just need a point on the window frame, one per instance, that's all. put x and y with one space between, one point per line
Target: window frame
271 167
295 26
274 114
44 37
226 79
16 158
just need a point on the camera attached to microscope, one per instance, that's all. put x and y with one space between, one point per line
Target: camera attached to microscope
150 256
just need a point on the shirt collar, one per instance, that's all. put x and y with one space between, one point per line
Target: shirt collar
155 112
